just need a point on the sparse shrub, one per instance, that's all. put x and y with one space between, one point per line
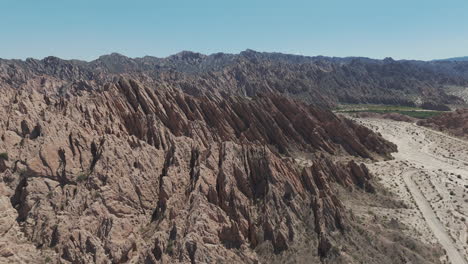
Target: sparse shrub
22 171
82 177
8 179
170 247
4 156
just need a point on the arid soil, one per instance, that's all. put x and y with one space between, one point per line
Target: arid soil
430 175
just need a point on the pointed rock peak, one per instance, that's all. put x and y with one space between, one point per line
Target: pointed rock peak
249 51
185 55
32 60
251 54
51 59
112 56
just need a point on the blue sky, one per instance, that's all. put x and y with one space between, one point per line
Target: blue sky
85 29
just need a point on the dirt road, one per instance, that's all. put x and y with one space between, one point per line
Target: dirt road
434 224
430 172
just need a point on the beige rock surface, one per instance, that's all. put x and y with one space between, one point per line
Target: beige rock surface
131 172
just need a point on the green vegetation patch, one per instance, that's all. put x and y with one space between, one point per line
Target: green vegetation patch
385 109
4 156
83 176
415 114
376 107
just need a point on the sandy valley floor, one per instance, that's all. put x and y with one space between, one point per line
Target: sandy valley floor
430 174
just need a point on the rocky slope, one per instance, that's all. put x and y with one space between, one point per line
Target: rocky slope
320 80
455 123
124 170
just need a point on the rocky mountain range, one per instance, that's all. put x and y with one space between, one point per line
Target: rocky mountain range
323 81
201 159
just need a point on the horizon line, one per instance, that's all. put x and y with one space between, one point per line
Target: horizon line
227 53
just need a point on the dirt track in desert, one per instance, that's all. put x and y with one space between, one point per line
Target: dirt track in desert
431 219
430 174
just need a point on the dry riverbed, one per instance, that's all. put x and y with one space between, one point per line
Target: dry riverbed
429 174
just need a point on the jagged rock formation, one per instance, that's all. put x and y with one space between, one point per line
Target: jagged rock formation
143 172
455 123
321 81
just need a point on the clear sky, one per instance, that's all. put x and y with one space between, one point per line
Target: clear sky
85 29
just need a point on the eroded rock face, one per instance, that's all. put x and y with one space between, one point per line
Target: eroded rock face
319 80
456 122
131 172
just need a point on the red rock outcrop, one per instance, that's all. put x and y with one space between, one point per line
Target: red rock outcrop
455 123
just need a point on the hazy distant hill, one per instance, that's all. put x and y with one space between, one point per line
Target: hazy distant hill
455 59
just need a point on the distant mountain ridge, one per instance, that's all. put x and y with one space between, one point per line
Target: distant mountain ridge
465 58
317 80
